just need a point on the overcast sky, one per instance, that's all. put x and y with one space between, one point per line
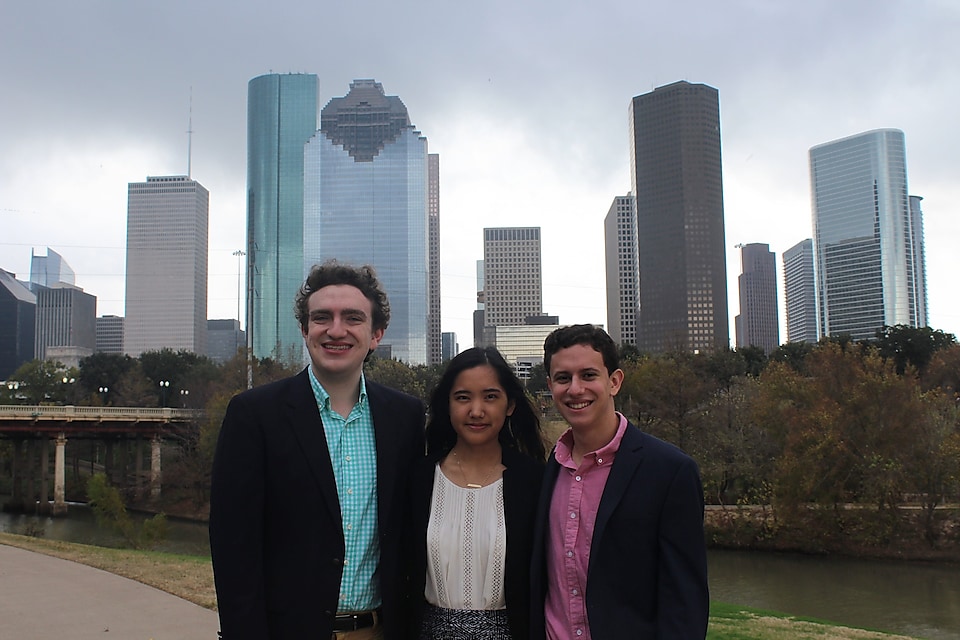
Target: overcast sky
526 103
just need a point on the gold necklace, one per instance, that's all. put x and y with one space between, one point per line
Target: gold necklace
471 485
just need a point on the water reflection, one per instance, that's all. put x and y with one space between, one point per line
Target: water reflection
915 599
80 526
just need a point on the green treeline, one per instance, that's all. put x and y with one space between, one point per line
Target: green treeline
837 446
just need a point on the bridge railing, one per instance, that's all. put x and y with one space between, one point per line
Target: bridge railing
71 412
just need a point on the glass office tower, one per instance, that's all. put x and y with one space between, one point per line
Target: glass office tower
678 185
868 239
366 202
281 116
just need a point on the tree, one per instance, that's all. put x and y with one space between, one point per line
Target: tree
104 371
41 381
911 346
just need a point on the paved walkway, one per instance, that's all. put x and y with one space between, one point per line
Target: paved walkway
45 598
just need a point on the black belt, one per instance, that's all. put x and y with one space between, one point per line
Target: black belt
354 621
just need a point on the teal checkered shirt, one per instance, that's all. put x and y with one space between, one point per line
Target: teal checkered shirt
353 453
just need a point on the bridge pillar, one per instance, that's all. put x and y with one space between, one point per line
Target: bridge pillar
155 467
59 477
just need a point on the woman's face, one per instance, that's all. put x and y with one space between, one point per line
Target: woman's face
479 406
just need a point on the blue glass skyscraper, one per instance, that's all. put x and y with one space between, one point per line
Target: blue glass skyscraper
868 238
282 115
366 202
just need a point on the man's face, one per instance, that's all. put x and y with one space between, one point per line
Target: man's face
339 331
582 389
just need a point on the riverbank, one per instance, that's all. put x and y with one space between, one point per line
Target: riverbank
191 578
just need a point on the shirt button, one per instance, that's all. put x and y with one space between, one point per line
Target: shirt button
579 478
347 458
599 460
579 632
349 527
569 554
572 515
349 492
574 591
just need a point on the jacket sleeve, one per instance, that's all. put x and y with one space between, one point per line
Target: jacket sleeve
236 524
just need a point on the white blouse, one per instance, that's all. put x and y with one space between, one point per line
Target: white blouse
466 546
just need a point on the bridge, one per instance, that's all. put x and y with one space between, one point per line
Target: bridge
37 426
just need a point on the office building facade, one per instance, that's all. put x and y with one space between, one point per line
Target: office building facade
224 339
166 280
109 334
677 182
282 114
799 292
66 317
434 340
622 269
50 269
512 280
18 319
366 185
758 323
867 239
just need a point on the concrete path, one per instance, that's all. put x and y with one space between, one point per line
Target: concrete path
45 598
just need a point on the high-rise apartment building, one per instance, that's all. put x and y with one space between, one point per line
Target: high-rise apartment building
282 112
366 186
50 269
166 283
758 324
623 279
434 342
512 281
867 238
66 317
799 292
18 309
110 334
678 185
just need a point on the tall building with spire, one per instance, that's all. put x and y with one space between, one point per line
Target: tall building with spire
868 239
366 201
282 114
166 275
677 182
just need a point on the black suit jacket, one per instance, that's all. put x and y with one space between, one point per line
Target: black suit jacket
276 535
647 575
521 487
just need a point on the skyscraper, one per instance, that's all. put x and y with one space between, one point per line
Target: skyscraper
434 346
18 313
512 286
66 317
282 112
867 238
166 283
758 324
678 185
110 334
50 269
365 201
799 292
623 281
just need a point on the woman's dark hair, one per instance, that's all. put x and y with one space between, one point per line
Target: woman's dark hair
521 430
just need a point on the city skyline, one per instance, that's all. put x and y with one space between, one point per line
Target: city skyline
531 124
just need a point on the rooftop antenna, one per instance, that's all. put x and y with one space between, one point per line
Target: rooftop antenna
190 135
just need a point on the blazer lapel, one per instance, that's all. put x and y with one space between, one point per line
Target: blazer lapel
303 416
625 465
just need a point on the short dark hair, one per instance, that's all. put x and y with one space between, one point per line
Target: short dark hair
522 429
333 272
587 334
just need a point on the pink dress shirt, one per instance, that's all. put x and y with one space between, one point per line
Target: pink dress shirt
573 514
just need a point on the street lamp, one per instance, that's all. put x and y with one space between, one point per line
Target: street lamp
183 397
164 385
103 395
67 395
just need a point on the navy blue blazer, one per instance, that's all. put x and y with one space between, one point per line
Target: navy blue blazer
276 535
521 488
647 575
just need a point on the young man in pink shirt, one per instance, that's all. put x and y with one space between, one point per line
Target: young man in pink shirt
619 549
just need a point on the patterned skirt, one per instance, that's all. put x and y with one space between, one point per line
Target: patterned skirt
464 624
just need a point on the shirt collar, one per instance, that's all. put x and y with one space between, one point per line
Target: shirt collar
323 398
564 449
